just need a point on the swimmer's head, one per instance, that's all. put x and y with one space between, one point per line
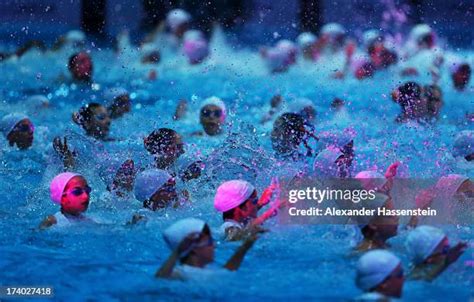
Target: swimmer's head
118 100
195 46
304 107
193 239
155 188
80 67
237 200
18 129
306 42
461 75
337 104
212 115
178 21
425 243
380 271
71 191
406 93
424 36
151 54
334 35
288 133
166 145
464 145
94 119
371 180
289 48
454 187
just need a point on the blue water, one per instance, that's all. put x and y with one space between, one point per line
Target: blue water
113 262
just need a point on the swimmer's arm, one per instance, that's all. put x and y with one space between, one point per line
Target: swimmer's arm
48 222
166 270
453 255
236 260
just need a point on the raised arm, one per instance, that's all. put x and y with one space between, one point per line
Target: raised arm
236 260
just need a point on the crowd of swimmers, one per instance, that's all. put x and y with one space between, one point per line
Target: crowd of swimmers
379 272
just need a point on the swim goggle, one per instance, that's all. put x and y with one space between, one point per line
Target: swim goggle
78 191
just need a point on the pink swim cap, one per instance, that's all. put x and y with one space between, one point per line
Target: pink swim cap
58 184
371 180
232 194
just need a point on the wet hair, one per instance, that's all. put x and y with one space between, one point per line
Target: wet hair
288 132
85 114
409 91
159 139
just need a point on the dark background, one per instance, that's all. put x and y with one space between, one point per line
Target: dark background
251 22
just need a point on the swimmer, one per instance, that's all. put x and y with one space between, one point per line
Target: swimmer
72 193
193 247
460 75
239 204
423 37
212 116
334 162
304 107
332 37
280 57
373 180
178 22
195 47
452 187
118 100
166 145
18 130
151 55
379 274
306 43
409 97
381 55
288 133
67 155
378 229
95 120
431 252
80 66
156 189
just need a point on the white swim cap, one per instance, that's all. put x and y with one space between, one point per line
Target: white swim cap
176 18
287 46
75 36
181 229
306 39
232 194
333 29
214 100
422 241
148 182
9 121
374 267
324 164
419 31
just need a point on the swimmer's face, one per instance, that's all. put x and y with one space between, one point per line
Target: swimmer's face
22 135
75 199
163 197
80 67
392 286
99 124
204 248
461 77
211 118
247 210
465 192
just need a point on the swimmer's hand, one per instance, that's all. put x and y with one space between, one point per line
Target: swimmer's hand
392 170
269 192
48 222
64 152
166 270
455 252
180 110
235 261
